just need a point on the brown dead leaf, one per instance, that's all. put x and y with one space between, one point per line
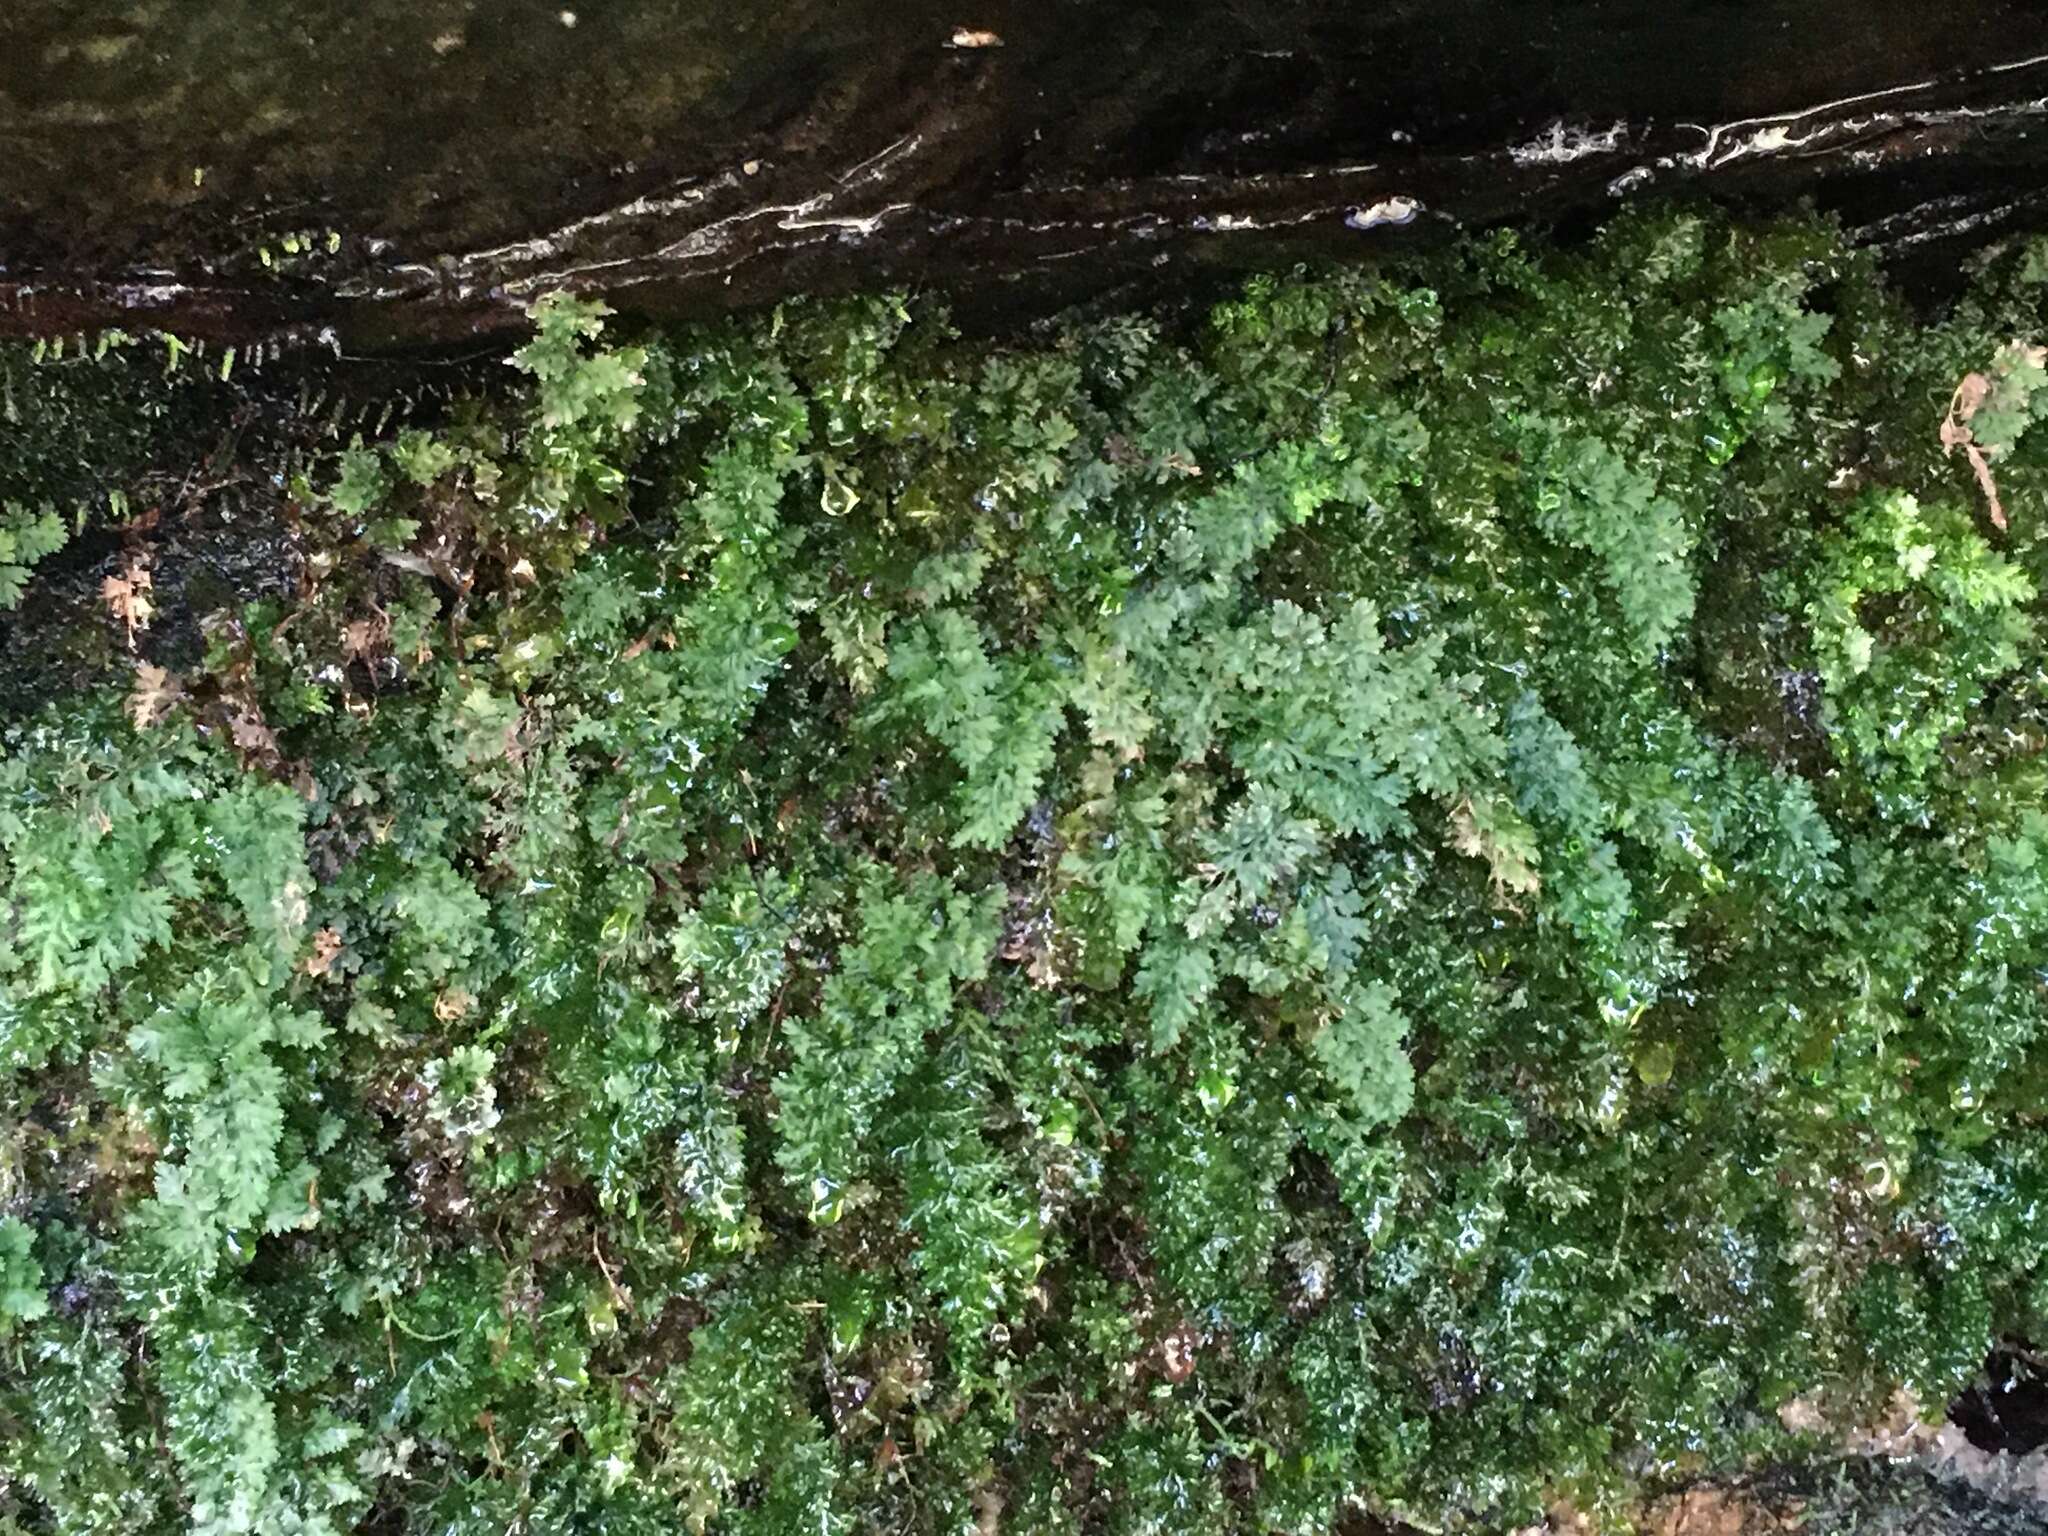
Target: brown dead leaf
251 734
128 595
1955 433
1177 1352
1803 1415
452 1005
1969 395
1709 1511
326 946
974 37
1981 467
360 637
152 697
1964 404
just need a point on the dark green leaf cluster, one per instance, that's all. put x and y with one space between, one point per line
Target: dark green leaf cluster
1427 891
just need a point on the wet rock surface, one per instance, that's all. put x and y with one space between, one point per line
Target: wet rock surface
412 172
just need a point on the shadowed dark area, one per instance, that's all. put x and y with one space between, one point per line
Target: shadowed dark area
2008 1409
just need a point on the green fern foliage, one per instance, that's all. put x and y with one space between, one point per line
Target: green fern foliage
1424 895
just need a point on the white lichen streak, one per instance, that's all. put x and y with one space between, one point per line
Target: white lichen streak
1391 210
1562 143
1774 134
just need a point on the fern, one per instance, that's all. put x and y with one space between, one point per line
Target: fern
27 538
892 985
22 1296
221 1426
998 723
977 1240
1895 695
1360 1053
1425 893
212 1049
1591 496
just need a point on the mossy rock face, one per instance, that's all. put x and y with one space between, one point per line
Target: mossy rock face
1419 896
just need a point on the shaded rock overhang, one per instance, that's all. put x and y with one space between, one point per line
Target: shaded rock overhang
391 174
